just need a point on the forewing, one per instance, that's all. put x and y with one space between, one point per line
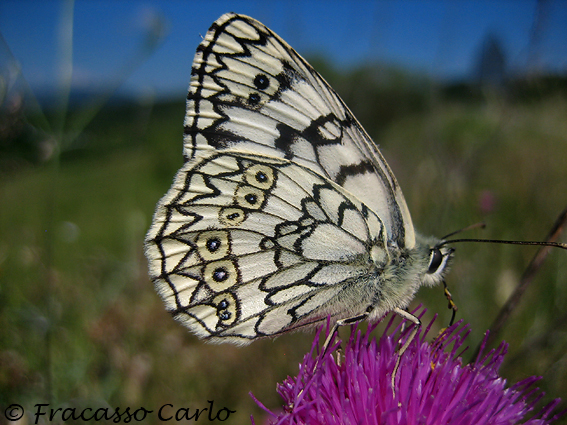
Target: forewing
251 92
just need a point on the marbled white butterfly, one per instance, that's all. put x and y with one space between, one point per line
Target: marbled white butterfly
284 212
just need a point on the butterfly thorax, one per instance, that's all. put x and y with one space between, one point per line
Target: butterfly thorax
405 271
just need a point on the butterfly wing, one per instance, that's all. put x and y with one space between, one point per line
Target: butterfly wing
252 92
245 246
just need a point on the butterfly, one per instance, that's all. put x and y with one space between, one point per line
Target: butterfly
285 212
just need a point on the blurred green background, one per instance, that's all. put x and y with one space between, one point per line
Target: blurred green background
81 325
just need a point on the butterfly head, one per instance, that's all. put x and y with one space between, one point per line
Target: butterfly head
437 258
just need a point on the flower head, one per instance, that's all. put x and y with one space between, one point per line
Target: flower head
432 384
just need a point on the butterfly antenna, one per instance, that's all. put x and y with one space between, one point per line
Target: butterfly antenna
480 225
550 240
503 241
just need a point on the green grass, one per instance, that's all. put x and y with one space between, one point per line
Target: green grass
82 325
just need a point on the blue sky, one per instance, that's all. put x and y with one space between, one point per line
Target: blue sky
440 38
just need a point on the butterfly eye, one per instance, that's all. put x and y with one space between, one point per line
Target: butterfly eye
435 260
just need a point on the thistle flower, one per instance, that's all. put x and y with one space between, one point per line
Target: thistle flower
432 384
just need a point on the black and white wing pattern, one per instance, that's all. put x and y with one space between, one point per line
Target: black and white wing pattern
284 212
251 91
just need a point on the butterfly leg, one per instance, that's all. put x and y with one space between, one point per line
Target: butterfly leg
417 325
339 323
452 305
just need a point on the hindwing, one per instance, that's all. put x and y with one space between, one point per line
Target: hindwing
245 246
